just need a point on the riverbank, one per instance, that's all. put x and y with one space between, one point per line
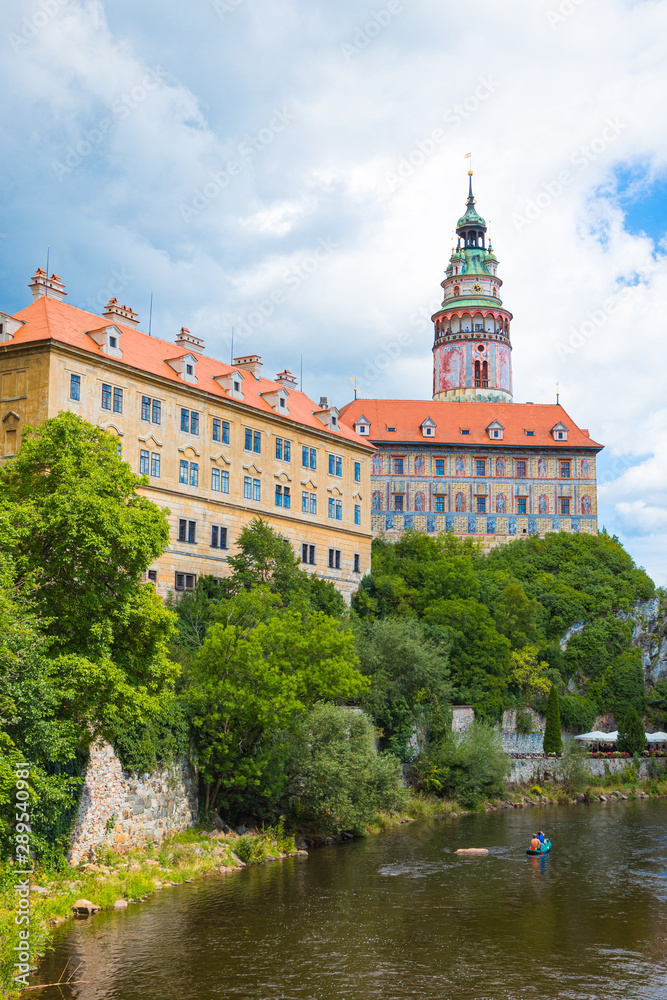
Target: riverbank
115 881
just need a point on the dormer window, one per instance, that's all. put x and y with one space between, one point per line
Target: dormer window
108 340
362 425
428 428
190 369
559 432
495 430
185 367
277 398
232 383
237 386
466 431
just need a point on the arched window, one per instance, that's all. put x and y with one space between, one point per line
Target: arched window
485 374
478 374
457 290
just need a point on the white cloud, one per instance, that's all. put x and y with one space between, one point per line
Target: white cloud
256 122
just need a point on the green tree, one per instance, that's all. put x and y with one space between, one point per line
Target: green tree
631 735
472 766
338 781
529 675
410 691
265 558
657 704
81 540
257 670
553 742
572 768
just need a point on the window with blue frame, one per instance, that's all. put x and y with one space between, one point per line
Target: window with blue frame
225 431
75 387
481 505
256 489
304 503
157 411
183 472
339 510
144 460
155 465
439 466
194 474
257 442
313 503
217 429
106 396
247 488
313 458
118 400
332 507
185 419
194 422
248 439
145 408
480 467
357 513
357 472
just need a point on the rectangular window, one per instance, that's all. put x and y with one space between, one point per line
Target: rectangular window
224 481
194 474
313 503
157 411
339 466
118 401
565 506
215 480
248 439
185 420
520 469
332 507
257 442
279 448
398 466
398 502
106 396
308 554
304 456
182 529
357 563
334 558
192 531
183 472
155 465
440 505
339 510
564 470
279 496
152 575
521 505
287 451
256 489
332 464
218 537
185 581
304 502
143 462
247 488
357 513
439 466
357 472
287 497
217 426
75 387
225 431
480 467
180 581
313 458
194 422
145 408
481 505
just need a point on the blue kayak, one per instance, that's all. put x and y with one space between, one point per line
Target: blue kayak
546 847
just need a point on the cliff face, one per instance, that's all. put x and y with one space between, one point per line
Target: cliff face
649 633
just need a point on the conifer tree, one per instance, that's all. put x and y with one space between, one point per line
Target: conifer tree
553 742
631 737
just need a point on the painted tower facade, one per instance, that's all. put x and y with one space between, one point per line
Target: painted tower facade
472 349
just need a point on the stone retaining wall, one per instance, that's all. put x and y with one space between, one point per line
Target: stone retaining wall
124 810
537 769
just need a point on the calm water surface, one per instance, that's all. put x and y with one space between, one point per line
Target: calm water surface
401 916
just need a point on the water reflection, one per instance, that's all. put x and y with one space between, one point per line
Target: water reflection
402 916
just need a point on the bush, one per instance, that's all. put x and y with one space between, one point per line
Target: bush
552 742
338 780
524 722
571 768
470 767
577 713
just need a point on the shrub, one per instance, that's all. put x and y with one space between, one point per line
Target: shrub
338 779
524 722
473 766
577 713
552 742
571 768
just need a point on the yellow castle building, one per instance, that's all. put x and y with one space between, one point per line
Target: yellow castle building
218 444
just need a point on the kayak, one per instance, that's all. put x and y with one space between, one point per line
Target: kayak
546 847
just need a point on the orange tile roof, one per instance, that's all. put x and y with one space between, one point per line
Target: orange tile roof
450 418
49 319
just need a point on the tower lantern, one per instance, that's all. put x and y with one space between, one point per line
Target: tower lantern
472 349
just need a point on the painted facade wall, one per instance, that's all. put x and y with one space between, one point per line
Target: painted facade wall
454 368
35 384
121 810
439 490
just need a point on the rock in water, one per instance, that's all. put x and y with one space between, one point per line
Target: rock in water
472 850
84 906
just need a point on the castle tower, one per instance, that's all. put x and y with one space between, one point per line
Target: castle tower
472 350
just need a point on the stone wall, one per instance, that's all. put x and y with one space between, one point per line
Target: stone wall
535 770
124 810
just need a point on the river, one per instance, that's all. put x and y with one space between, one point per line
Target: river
399 915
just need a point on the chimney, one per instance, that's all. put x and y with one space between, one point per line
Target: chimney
187 339
124 314
41 286
324 403
287 379
250 363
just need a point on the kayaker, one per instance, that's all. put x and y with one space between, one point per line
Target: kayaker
536 843
541 836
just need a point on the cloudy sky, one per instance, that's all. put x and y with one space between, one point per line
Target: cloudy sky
294 170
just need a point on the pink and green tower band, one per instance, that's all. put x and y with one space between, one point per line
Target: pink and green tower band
472 350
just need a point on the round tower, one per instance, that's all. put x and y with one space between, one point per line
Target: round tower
472 350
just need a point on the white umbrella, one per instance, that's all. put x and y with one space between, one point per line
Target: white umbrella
612 737
656 737
596 736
